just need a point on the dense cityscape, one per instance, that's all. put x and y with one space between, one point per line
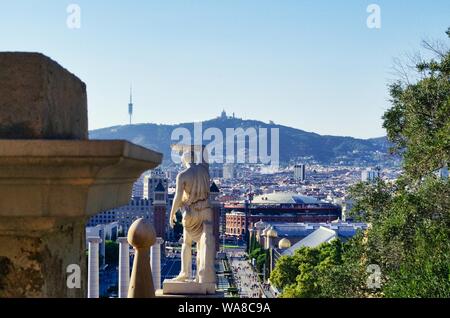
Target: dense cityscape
292 205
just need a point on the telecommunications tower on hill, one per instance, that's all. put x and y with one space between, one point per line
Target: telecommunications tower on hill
130 105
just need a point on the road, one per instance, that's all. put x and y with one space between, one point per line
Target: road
171 267
245 277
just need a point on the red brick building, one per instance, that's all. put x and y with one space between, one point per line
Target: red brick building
279 208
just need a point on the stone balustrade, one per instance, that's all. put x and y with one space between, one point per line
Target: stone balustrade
93 267
141 288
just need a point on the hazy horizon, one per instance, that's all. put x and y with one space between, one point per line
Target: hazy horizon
237 117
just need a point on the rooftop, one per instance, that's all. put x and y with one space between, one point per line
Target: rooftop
284 197
289 230
318 237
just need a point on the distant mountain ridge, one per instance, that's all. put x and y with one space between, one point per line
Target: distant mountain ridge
295 144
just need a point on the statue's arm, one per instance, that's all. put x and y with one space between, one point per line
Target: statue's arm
177 201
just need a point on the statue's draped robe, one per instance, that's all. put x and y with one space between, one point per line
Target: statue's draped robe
197 201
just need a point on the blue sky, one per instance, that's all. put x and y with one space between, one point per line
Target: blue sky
309 64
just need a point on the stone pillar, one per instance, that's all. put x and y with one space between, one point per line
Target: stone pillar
141 236
271 234
52 178
259 226
264 238
155 256
93 267
124 267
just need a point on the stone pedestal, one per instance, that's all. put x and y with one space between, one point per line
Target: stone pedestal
160 294
188 288
93 267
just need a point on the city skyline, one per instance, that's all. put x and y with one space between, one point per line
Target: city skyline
261 60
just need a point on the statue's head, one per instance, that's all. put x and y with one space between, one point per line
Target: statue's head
188 158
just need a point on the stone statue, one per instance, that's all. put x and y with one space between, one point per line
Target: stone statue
192 198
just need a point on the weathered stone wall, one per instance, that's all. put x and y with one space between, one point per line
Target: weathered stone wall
40 99
33 252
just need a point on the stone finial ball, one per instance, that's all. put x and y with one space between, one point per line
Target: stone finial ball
141 234
284 244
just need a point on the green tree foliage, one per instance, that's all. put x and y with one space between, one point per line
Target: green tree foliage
253 244
259 254
347 276
410 239
285 272
409 220
330 270
418 123
261 261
